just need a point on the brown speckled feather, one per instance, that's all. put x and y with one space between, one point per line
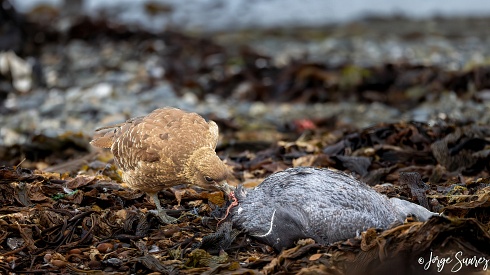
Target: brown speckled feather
154 151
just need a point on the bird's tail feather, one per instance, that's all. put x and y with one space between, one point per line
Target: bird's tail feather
104 137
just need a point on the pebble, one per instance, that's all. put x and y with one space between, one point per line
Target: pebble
99 91
14 243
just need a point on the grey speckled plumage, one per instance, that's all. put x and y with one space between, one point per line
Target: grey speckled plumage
322 204
167 147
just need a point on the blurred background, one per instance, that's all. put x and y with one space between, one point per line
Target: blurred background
264 70
222 15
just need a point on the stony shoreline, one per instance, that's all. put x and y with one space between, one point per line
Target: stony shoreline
97 82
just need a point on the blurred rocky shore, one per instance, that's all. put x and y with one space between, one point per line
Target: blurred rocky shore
62 74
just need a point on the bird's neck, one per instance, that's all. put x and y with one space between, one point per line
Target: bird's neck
198 156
